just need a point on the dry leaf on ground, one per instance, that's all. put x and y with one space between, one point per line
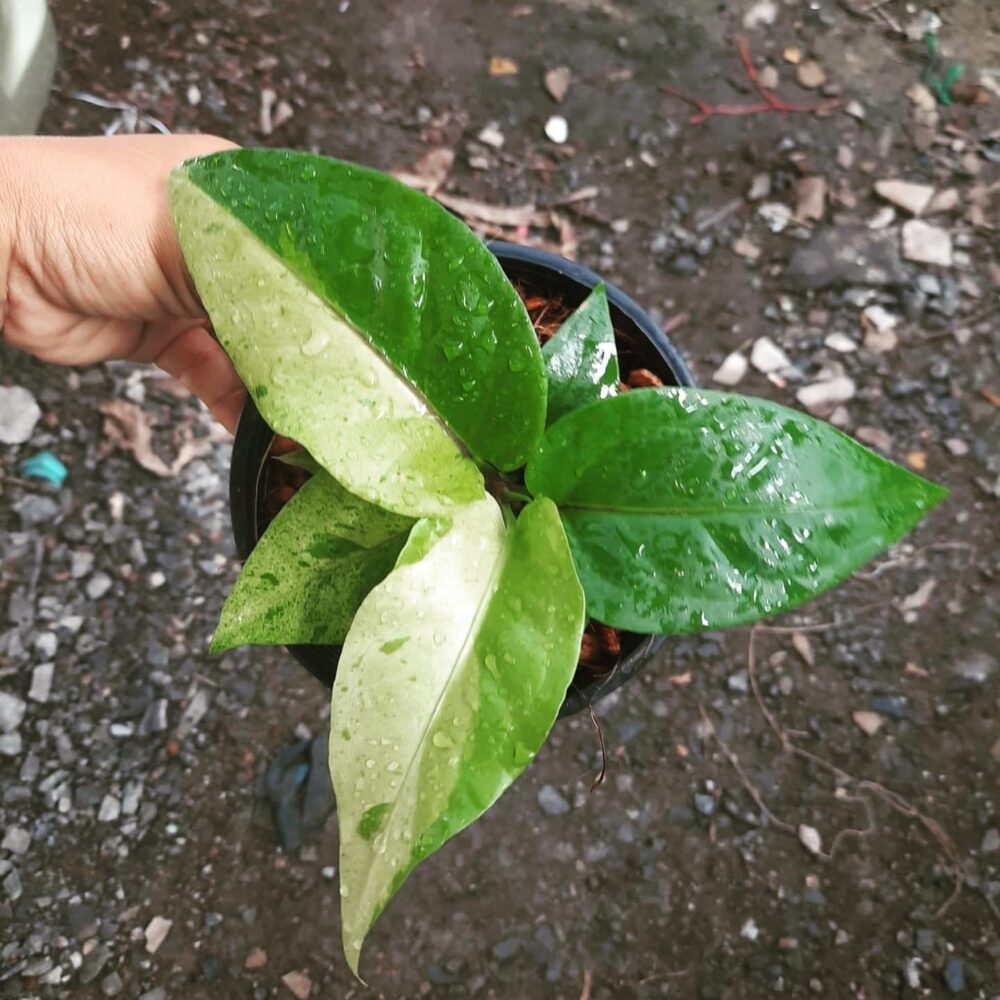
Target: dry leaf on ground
127 427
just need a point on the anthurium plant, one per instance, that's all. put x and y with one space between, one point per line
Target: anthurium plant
474 499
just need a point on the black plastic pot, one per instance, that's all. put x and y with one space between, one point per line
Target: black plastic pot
641 344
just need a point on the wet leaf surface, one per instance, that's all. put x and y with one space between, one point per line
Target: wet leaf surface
394 267
581 359
690 509
450 679
311 569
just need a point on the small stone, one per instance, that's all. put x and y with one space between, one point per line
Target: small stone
121 730
46 644
110 809
762 13
847 255
878 318
193 95
824 395
732 369
868 722
840 343
705 804
12 885
913 198
19 413
551 801
911 973
156 933
810 839
977 667
506 949
81 564
749 930
17 840
767 357
926 244
876 437
557 129
953 975
93 962
745 248
490 135
112 985
10 745
946 200
956 446
855 109
257 959
98 585
760 188
12 711
810 74
991 841
299 984
776 215
890 704
768 77
557 82
158 994
41 682
739 682
684 265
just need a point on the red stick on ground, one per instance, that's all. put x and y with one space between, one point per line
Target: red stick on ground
770 100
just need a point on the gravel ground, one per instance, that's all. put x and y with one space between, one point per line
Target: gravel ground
138 851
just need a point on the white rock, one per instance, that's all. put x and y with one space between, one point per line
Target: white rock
761 13
110 809
913 198
41 682
760 188
943 201
823 395
732 369
881 342
776 215
749 930
10 745
767 357
18 414
193 95
879 318
17 840
46 644
926 244
156 933
868 722
810 839
883 218
98 585
557 129
855 109
11 711
490 135
841 343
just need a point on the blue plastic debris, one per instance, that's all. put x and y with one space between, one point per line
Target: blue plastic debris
45 466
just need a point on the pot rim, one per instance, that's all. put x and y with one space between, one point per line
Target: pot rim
253 437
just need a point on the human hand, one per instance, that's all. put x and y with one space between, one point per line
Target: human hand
90 267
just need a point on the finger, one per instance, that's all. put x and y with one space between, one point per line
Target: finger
194 357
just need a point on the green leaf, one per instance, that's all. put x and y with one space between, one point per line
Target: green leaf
687 509
581 360
451 677
426 303
313 376
311 569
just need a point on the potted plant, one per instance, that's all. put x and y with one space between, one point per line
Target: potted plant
463 500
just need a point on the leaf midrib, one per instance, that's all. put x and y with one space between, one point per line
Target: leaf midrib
482 608
431 410
681 512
